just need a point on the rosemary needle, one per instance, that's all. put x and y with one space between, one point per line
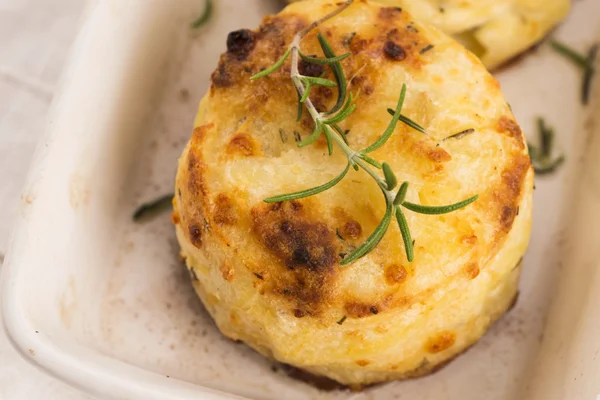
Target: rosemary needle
570 54
205 17
588 75
541 157
151 209
585 63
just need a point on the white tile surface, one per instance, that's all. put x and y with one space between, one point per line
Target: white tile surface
35 36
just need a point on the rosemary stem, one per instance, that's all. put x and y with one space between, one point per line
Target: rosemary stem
332 14
380 182
295 75
341 144
353 156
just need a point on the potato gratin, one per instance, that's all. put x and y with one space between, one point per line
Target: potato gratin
270 274
495 30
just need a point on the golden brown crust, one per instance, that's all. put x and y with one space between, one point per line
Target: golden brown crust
395 274
224 211
472 270
246 47
508 197
440 342
508 126
243 145
307 249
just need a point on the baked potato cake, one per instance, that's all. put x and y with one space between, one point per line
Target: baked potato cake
270 274
495 30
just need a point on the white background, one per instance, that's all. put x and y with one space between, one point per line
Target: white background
35 36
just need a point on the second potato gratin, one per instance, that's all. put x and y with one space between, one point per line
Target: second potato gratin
494 30
271 275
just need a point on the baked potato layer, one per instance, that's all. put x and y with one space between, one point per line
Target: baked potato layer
270 274
495 30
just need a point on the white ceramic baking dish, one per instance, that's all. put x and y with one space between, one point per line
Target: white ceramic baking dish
105 305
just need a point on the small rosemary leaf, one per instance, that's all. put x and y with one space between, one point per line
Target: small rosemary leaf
412 123
533 151
150 210
282 135
401 195
338 72
341 321
309 192
570 54
273 67
371 161
373 240
323 61
329 143
409 122
461 134
588 75
343 114
338 234
324 18
546 138
297 136
341 132
548 167
312 138
205 17
540 157
392 126
309 80
426 49
409 243
306 93
390 178
438 210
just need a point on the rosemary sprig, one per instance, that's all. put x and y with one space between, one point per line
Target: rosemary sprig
327 124
205 17
585 63
541 157
570 54
151 209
